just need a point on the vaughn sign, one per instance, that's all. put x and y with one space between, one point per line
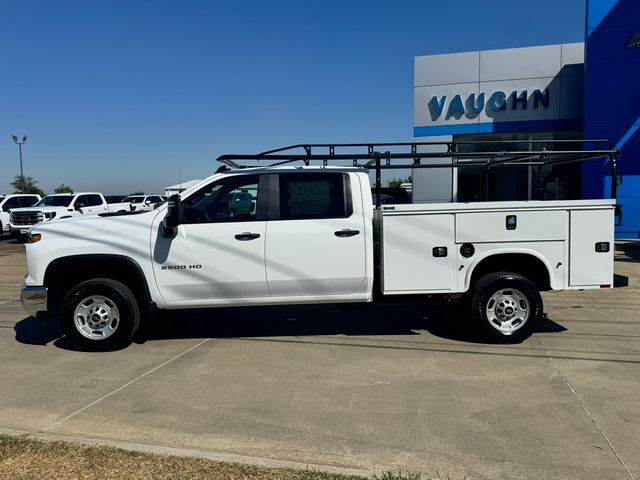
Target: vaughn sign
496 102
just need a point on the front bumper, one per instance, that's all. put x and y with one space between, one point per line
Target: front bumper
34 299
21 230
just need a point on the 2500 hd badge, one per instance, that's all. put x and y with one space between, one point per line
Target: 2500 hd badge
181 267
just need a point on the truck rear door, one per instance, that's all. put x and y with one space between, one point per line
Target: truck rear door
316 237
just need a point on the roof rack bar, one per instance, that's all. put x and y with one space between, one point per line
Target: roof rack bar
490 154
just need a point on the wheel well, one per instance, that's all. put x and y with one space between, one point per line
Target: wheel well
525 264
63 273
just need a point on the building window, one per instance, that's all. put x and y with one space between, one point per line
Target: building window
522 182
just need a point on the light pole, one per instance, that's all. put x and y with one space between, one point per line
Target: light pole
19 143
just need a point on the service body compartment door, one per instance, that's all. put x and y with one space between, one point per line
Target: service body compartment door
511 226
587 266
414 259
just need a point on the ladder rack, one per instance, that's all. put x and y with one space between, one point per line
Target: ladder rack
488 154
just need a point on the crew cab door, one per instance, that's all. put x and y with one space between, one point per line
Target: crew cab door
315 235
95 205
217 256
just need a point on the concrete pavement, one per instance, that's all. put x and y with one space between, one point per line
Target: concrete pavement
353 388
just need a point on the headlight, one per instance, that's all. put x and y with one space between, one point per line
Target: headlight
49 215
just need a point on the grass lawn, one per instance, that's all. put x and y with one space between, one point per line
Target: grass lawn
22 458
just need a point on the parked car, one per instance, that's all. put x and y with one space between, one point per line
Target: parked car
137 203
313 237
57 206
13 201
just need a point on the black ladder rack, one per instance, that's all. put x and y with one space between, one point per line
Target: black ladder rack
492 154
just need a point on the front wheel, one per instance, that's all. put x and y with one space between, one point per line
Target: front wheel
100 314
506 306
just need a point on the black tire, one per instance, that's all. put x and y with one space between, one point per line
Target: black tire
505 306
113 305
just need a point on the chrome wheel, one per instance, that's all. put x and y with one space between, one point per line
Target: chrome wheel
508 310
96 317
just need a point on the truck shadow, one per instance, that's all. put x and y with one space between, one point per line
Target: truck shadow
351 320
292 321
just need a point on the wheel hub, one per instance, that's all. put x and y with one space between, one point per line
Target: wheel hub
96 317
507 310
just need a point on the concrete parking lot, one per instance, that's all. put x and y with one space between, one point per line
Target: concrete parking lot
360 388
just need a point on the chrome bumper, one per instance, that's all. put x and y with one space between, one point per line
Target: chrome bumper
34 299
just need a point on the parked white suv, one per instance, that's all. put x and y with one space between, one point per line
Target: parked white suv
58 206
11 202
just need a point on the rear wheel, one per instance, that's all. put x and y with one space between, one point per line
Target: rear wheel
506 306
100 314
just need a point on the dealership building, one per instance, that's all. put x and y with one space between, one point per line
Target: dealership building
535 95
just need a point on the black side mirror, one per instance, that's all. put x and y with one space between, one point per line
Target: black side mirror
173 217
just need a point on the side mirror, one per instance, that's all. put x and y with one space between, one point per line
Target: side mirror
173 218
79 206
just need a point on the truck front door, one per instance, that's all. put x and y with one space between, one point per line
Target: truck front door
217 256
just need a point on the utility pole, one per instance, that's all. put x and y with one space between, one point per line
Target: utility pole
19 143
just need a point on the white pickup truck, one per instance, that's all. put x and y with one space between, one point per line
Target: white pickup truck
56 206
11 202
137 203
308 235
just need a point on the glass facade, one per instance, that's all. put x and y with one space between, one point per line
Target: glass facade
518 182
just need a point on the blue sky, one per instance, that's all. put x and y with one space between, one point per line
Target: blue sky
119 96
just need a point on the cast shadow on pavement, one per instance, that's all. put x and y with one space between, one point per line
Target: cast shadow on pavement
444 321
440 320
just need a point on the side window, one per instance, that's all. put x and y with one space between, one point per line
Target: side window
154 199
81 201
94 200
314 195
232 199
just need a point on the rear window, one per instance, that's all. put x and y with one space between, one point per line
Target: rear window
313 195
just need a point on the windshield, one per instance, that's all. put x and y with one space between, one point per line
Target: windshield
133 200
55 201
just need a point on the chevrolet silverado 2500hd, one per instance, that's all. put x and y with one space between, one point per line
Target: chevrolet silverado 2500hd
286 234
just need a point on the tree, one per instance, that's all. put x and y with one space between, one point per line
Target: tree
396 182
62 188
26 185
